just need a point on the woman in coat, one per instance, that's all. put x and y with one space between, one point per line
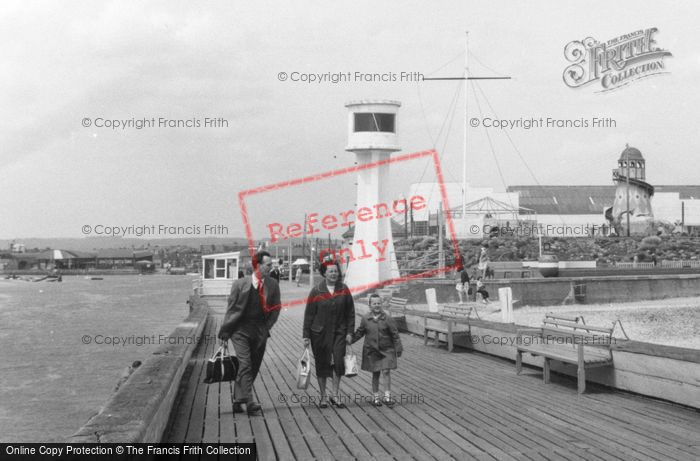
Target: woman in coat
381 349
329 320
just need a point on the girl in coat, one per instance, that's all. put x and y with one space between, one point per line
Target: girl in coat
382 347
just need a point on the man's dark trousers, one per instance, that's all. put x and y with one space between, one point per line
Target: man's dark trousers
249 343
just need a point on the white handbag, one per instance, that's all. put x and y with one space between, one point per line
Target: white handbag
303 370
351 368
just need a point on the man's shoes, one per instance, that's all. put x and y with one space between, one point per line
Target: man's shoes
237 407
253 408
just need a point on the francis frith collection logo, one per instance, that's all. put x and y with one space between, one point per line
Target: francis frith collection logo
616 62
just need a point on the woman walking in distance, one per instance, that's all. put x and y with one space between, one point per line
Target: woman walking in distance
483 262
329 321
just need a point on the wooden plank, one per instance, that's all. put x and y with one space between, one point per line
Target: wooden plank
263 441
475 407
211 414
195 429
227 427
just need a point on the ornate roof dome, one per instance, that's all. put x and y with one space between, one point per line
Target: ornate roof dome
631 153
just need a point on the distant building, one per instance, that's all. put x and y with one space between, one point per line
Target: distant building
600 209
566 211
47 259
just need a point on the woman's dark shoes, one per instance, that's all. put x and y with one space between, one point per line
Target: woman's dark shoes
388 401
323 403
237 407
336 403
253 408
376 402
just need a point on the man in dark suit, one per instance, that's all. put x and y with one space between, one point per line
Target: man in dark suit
253 308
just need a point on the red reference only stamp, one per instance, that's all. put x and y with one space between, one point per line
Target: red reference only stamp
374 251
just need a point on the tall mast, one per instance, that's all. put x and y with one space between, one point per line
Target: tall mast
466 123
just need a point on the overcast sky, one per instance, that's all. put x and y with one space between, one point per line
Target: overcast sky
63 62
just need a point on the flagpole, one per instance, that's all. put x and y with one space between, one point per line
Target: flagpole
466 123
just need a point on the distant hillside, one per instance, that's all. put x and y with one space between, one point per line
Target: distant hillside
93 243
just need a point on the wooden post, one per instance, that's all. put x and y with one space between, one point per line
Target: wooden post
505 296
425 331
581 373
450 344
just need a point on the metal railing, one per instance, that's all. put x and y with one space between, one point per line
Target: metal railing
621 265
684 264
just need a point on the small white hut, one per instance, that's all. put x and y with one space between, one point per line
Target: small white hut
218 273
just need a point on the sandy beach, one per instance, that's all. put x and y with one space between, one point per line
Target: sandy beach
673 322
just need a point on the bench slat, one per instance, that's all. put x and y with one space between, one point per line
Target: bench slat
398 301
578 326
568 318
565 355
586 339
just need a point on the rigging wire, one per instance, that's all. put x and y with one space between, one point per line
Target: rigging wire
493 152
473 56
433 141
444 144
459 55
515 148
451 109
425 116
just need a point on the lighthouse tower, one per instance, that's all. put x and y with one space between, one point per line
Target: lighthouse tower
633 194
372 137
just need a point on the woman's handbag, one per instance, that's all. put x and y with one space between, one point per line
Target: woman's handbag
350 364
303 370
222 366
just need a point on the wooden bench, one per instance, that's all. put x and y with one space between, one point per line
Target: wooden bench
453 314
567 339
397 304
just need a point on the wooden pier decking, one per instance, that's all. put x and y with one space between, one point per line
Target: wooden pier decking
455 406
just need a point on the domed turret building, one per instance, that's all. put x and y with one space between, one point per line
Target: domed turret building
632 205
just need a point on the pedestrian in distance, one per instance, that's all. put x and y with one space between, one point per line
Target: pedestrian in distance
462 285
481 289
275 272
483 262
298 275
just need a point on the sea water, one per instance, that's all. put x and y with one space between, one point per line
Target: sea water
63 346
